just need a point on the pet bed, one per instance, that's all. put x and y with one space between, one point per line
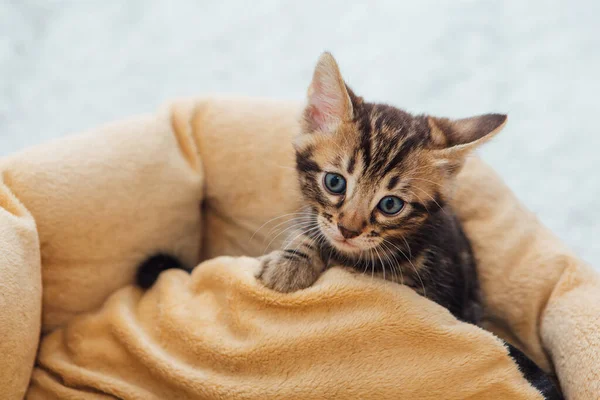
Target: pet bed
197 180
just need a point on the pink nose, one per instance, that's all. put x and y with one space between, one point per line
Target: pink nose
347 233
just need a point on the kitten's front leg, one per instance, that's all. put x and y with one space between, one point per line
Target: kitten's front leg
294 268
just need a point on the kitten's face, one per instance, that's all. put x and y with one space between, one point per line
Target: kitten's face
375 179
373 173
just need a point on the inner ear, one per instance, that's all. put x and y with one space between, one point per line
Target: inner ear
464 133
329 103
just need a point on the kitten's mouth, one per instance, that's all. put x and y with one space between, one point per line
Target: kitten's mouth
345 243
340 242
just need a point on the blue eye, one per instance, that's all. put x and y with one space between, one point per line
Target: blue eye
390 205
335 183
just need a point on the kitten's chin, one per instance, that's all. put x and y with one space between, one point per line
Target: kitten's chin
345 246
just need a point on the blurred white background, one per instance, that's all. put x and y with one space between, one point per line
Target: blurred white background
70 65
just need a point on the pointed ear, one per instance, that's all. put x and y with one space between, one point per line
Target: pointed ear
464 134
454 139
328 101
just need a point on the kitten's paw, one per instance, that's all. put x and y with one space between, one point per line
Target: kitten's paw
284 272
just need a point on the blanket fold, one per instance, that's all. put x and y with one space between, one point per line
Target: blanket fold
219 334
20 292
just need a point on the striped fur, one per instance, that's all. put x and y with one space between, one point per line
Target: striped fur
380 151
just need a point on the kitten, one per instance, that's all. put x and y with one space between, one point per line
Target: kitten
376 180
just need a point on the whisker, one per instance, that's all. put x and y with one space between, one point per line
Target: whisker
395 277
381 261
276 218
342 151
421 200
438 204
295 224
393 263
279 234
425 180
372 265
300 243
366 263
407 246
411 264
396 266
291 241
297 219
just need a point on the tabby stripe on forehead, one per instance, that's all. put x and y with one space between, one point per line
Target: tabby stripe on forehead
305 163
383 149
352 162
409 144
393 182
337 162
365 141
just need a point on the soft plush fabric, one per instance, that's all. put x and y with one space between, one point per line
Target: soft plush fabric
105 200
534 288
20 293
219 334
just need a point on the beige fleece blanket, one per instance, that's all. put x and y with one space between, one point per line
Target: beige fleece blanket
197 180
